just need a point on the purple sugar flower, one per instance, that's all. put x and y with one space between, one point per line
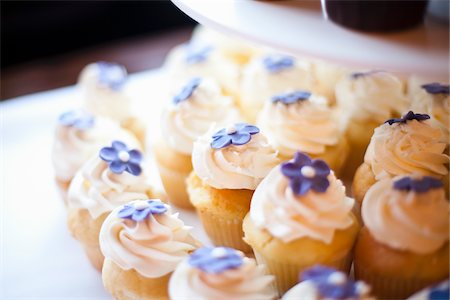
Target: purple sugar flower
421 185
78 119
216 259
141 209
111 75
187 90
440 291
196 53
291 97
120 159
409 116
305 174
237 134
357 75
277 63
436 88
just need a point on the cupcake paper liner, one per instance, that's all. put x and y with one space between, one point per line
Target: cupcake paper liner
95 255
175 186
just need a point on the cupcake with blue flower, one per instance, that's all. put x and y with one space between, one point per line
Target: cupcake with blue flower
300 216
220 273
436 292
143 242
228 164
112 177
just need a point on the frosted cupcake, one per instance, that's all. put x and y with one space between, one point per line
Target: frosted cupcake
107 180
327 76
143 242
300 216
301 121
319 282
198 105
199 59
78 137
103 93
269 75
436 292
220 274
228 166
366 100
402 146
433 99
404 244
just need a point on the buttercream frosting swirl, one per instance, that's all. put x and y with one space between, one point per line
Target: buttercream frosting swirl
153 247
406 220
73 146
235 166
403 148
96 188
308 125
374 95
183 123
288 217
247 282
309 291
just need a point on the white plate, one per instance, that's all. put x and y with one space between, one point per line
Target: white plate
38 257
298 27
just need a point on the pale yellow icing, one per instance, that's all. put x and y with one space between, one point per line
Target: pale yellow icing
406 220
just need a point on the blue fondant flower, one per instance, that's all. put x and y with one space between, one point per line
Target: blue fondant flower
436 88
237 134
292 97
78 119
421 185
305 174
440 291
141 209
408 117
216 259
112 75
187 90
357 75
333 284
196 53
120 159
277 63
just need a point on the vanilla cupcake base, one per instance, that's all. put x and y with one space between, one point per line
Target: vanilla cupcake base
130 285
63 187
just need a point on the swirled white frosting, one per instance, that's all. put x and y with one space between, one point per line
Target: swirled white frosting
288 217
406 220
247 282
183 123
307 290
413 147
72 146
101 100
309 126
235 166
376 96
96 188
153 247
216 66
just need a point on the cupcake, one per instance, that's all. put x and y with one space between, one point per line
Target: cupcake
433 99
107 180
300 216
319 282
78 137
436 292
404 244
228 166
269 75
327 76
301 121
401 146
143 242
103 92
366 100
198 105
202 59
220 273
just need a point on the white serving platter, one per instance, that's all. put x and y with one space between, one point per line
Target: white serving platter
38 257
298 27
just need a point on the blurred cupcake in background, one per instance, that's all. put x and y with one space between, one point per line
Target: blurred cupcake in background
197 106
143 242
103 93
404 244
220 273
300 121
327 76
